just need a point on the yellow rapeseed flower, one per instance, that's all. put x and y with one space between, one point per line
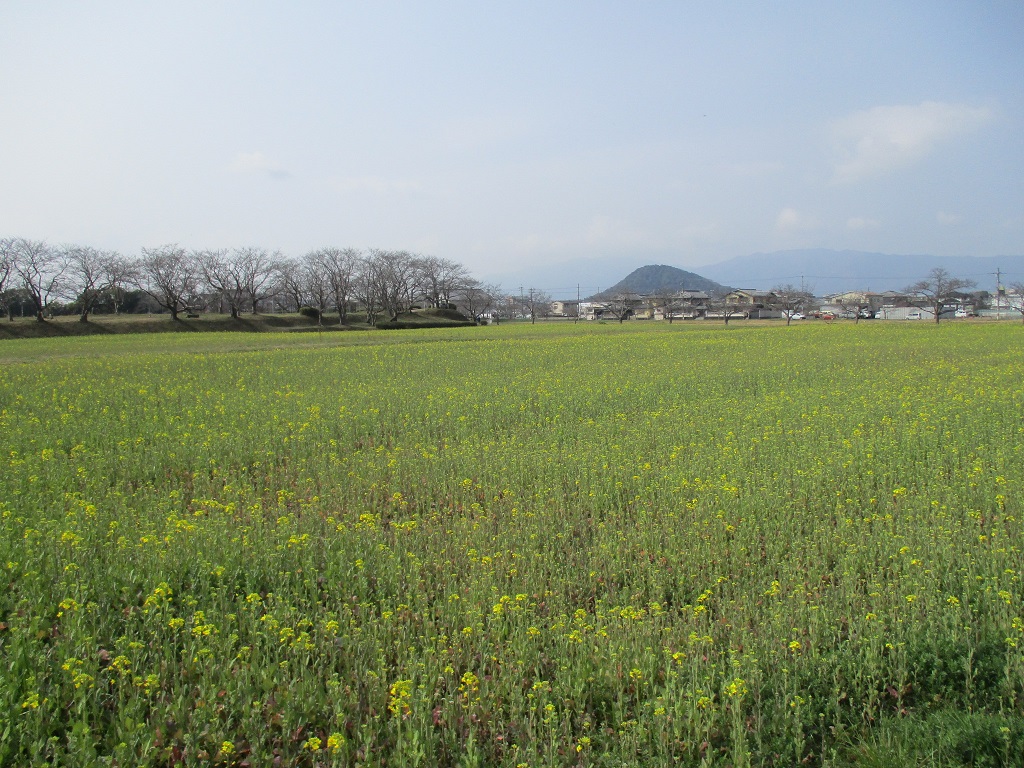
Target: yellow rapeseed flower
335 742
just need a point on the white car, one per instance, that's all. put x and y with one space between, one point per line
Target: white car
913 316
798 316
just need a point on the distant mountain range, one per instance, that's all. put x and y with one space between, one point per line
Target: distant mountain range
824 271
660 278
820 270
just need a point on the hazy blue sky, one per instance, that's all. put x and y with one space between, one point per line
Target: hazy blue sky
506 135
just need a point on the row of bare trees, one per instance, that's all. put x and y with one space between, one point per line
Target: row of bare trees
379 283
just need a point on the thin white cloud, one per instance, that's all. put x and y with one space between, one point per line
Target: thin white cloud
862 223
948 219
876 141
792 220
257 162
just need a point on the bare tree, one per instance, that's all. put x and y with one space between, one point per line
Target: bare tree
670 304
222 276
440 279
121 273
396 273
254 269
404 276
368 285
40 269
288 281
1018 288
538 303
342 267
789 300
170 275
720 303
937 289
6 275
90 270
622 305
316 283
477 299
858 307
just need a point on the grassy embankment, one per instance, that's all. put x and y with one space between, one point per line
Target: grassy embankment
29 328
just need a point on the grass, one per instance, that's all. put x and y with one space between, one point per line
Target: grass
535 544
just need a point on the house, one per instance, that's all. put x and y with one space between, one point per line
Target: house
752 303
905 313
682 305
854 299
565 308
889 299
849 298
749 298
1009 301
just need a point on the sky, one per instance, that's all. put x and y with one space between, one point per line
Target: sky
512 136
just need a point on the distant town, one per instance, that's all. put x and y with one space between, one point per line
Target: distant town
652 293
752 304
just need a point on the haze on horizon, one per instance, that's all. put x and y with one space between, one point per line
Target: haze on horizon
524 134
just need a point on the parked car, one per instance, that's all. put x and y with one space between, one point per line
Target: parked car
798 316
913 316
828 315
963 313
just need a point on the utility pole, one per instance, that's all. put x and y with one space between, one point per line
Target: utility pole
576 317
999 294
533 309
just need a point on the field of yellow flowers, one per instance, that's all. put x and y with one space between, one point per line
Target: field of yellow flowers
543 546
